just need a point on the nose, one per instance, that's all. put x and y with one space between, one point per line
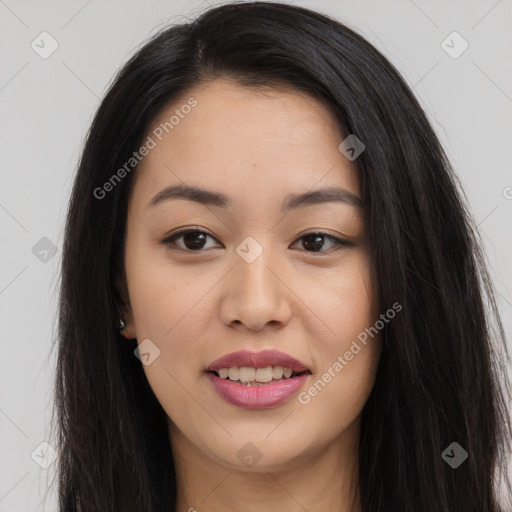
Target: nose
256 294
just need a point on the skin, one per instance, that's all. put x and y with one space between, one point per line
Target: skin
255 147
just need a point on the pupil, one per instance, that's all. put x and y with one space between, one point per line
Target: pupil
316 245
193 236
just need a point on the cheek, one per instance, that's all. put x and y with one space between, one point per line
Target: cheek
171 308
345 379
348 361
348 351
344 302
166 297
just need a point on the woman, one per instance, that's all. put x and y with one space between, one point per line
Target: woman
272 294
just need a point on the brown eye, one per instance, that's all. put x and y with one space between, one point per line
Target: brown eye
315 241
193 239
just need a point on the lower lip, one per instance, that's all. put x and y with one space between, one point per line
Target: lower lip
257 397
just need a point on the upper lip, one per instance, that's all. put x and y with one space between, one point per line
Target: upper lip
258 360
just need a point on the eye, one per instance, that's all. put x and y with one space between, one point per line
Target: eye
314 241
194 240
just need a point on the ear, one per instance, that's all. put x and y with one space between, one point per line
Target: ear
129 331
125 309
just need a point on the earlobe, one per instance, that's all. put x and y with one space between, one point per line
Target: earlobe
126 326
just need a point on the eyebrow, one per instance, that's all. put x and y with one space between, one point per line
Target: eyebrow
291 202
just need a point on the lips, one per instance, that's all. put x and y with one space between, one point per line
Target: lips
257 397
260 359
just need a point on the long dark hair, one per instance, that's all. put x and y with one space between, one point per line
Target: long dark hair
441 377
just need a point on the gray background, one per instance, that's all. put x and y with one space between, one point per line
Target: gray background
47 106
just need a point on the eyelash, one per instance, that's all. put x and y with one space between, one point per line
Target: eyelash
170 240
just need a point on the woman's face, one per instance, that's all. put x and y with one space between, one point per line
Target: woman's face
250 279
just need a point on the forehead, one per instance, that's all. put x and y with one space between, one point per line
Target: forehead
245 142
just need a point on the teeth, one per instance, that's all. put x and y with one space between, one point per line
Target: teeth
264 374
277 372
247 374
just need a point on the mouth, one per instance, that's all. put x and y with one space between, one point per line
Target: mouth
257 380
